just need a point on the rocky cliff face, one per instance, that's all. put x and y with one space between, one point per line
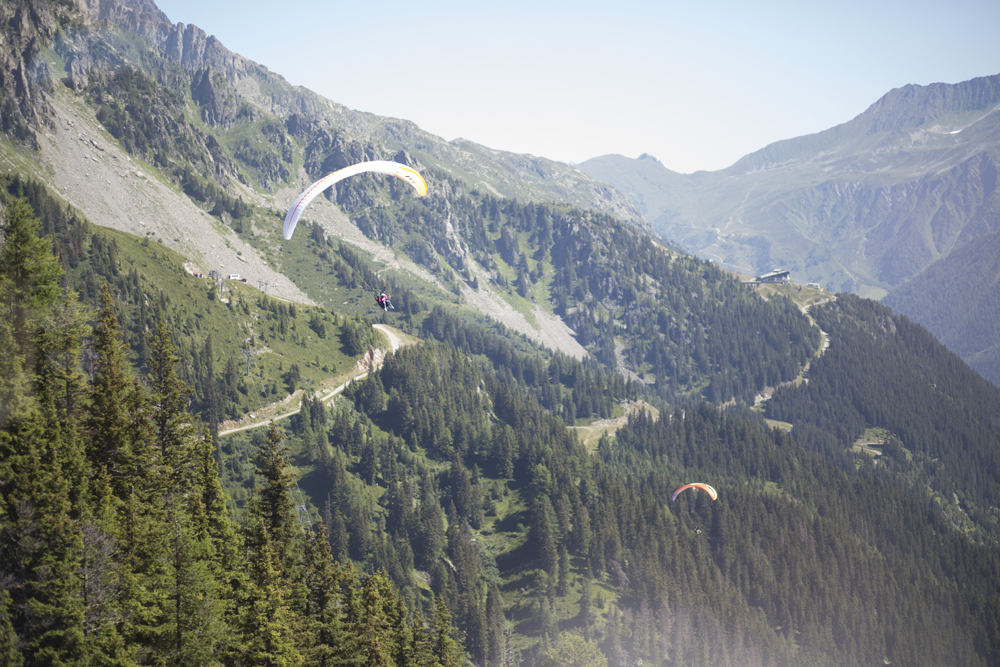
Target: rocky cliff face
197 51
217 99
233 92
26 26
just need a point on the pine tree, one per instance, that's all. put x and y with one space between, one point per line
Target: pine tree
274 501
421 649
431 538
192 623
104 644
17 401
117 424
63 390
265 622
323 580
31 275
562 588
586 612
375 630
10 655
142 570
41 554
175 430
447 651
494 626
334 519
543 535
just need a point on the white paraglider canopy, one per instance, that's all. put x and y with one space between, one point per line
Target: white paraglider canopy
388 167
698 485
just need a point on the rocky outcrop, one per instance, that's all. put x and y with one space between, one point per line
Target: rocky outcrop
26 27
330 151
217 99
303 125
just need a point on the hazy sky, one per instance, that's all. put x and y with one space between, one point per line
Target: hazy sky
697 84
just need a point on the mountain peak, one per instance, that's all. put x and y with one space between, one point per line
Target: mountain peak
914 106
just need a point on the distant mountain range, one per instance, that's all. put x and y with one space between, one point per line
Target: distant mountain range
862 207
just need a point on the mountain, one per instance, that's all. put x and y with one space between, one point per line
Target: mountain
237 88
191 129
451 485
473 496
861 207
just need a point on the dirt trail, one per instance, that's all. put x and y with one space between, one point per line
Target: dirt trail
765 395
369 362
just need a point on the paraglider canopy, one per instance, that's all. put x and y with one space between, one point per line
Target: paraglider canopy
388 167
704 487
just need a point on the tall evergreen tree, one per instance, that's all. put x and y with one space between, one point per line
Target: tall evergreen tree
431 538
274 501
192 623
330 644
31 274
119 433
375 628
63 389
447 651
41 554
265 621
175 429
494 626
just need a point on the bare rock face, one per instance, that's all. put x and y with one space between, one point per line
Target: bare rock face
79 69
304 125
131 15
330 151
24 29
217 99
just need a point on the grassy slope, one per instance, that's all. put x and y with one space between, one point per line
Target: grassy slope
199 302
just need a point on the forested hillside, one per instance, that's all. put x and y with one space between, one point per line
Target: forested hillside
239 349
442 508
939 417
956 299
677 323
799 562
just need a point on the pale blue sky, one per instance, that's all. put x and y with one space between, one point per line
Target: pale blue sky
697 84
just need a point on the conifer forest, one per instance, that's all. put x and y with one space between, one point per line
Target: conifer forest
446 510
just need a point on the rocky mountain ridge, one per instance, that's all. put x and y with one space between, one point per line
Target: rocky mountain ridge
908 118
860 207
102 40
198 120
